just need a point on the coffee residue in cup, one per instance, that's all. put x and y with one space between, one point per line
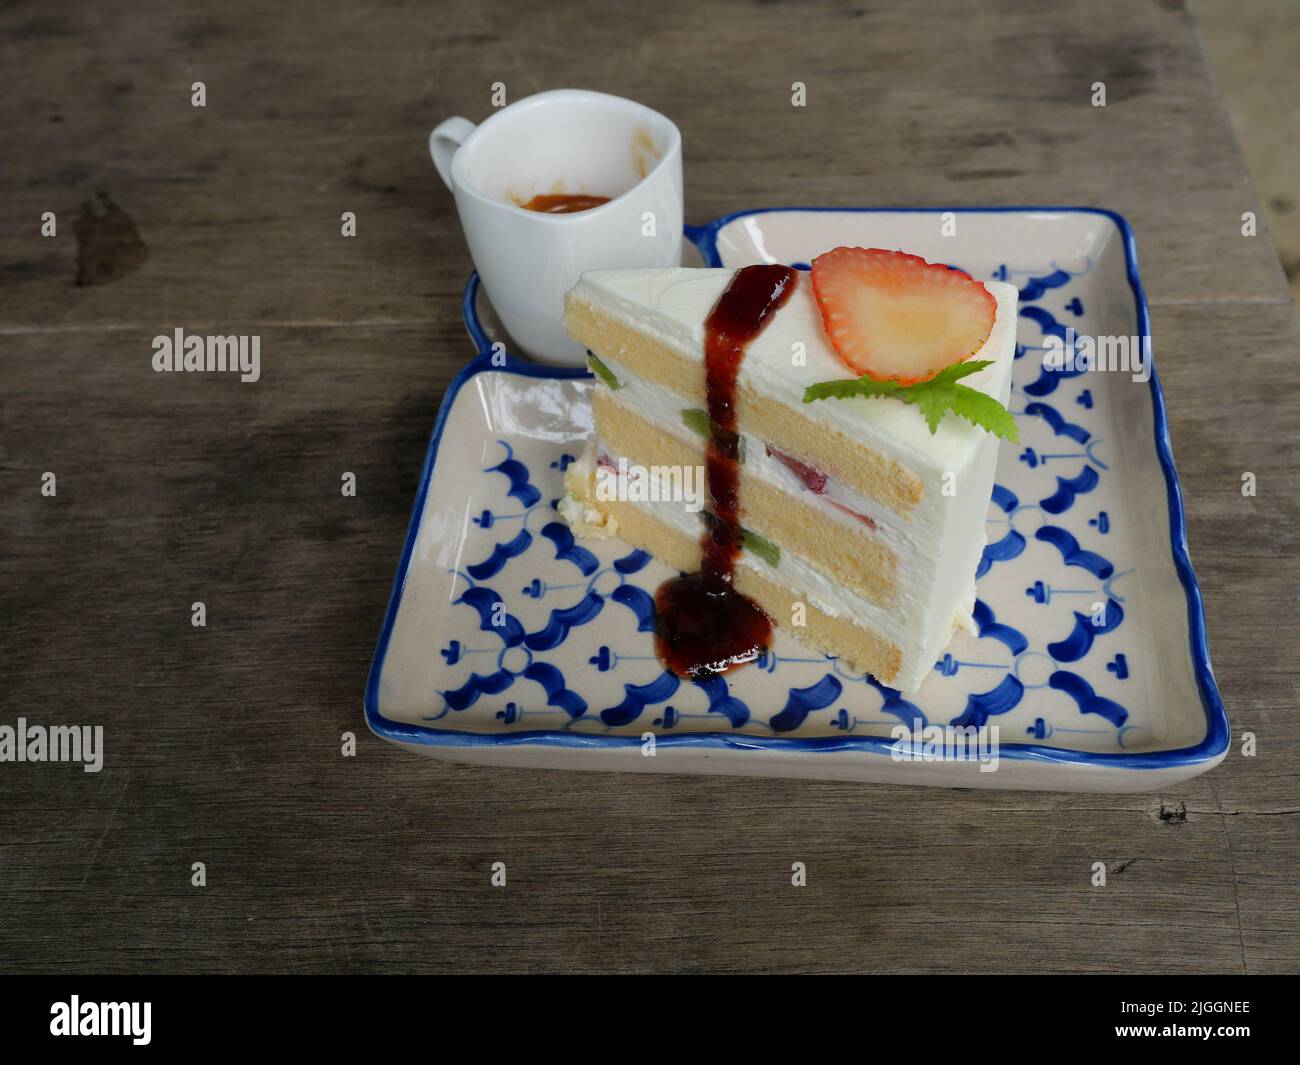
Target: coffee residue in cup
563 202
644 154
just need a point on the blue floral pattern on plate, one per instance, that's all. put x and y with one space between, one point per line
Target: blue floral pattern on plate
528 635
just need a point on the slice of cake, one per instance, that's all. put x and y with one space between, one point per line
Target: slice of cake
817 449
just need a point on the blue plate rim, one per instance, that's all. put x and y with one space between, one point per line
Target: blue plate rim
705 238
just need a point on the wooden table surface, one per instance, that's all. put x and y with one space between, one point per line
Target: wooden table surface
223 743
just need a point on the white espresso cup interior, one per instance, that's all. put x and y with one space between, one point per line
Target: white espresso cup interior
543 148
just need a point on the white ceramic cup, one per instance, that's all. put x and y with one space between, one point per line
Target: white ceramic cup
563 141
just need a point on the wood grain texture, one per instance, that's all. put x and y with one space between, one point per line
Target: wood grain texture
223 743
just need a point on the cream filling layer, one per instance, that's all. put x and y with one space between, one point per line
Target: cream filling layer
902 625
937 548
664 410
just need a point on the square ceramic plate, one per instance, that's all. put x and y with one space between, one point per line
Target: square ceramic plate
1085 522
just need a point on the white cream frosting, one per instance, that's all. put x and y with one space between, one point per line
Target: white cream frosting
898 624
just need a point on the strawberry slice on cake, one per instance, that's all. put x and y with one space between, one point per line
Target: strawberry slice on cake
896 317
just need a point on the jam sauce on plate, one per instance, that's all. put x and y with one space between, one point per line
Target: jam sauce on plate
703 625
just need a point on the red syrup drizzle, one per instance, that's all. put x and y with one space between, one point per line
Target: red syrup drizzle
703 625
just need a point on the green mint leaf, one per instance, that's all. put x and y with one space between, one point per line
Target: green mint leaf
958 370
863 386
602 371
940 395
986 412
932 402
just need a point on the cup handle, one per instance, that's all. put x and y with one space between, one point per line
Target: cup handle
444 140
